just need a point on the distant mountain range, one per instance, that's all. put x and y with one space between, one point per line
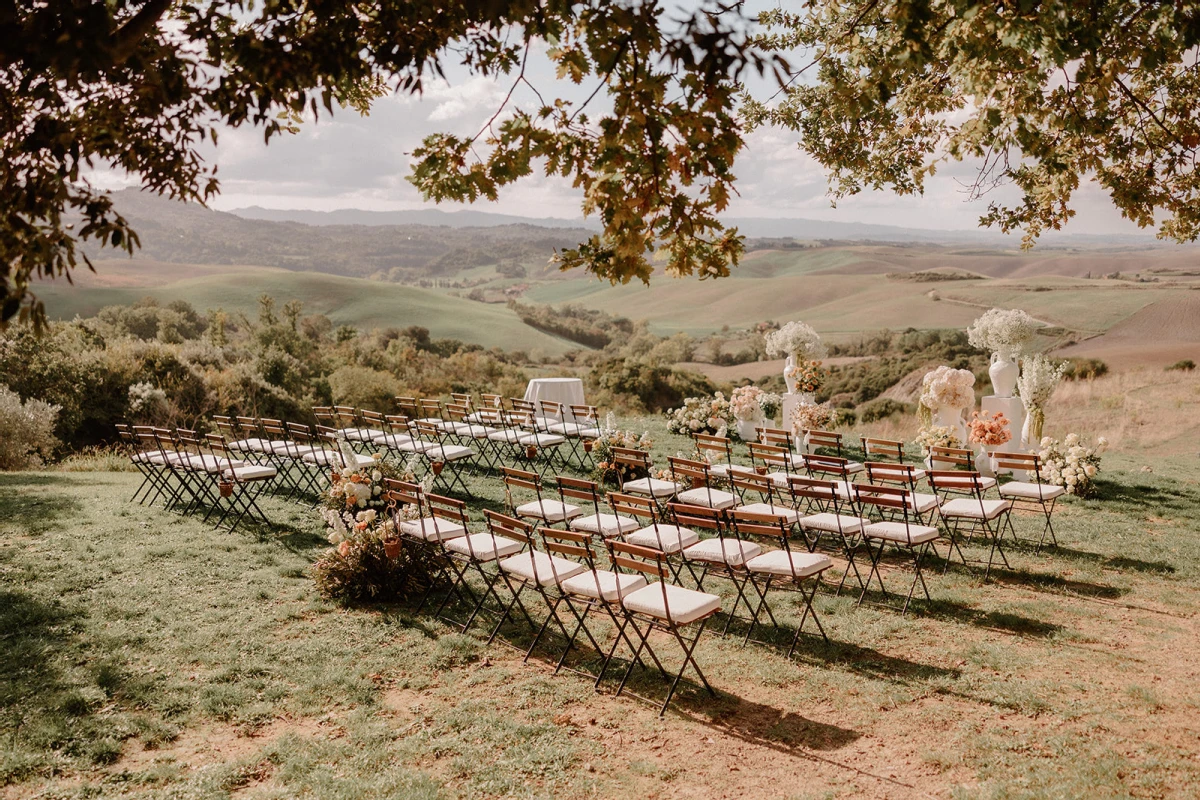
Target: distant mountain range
754 227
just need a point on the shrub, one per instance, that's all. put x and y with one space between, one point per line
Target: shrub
1084 369
26 430
363 387
882 408
1186 365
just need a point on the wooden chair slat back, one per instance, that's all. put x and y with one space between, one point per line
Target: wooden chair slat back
883 448
689 516
508 527
522 479
637 558
632 506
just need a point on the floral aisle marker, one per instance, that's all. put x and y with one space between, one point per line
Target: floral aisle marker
1071 464
606 470
751 407
1039 378
1005 333
811 417
808 376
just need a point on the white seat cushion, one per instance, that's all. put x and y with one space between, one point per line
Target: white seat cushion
541 439
723 470
833 523
548 510
211 463
249 445
600 583
925 502
899 532
432 529
327 458
684 605
357 434
722 550
484 546
507 435
406 444
605 524
651 487
789 564
251 473
574 429
475 431
549 569
710 498
448 452
972 508
1031 491
789 514
667 538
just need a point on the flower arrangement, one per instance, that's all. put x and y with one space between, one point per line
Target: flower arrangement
812 417
352 492
746 403
1039 378
1008 330
701 415
809 376
771 404
795 339
1071 464
606 470
931 436
367 562
946 387
989 431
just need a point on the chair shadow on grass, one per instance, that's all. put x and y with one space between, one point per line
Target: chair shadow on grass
35 510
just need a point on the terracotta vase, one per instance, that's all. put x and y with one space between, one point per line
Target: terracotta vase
438 466
391 547
226 488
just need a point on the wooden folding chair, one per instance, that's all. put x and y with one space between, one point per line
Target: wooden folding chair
778 463
882 450
425 532
717 452
800 572
242 478
970 511
698 475
444 457
905 476
661 606
591 590
897 524
655 533
532 569
587 493
835 515
630 461
722 554
761 495
951 458
824 440
1029 495
540 509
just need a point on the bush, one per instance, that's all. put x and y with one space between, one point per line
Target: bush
26 431
1186 365
1084 369
882 408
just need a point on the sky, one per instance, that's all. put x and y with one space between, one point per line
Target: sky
352 161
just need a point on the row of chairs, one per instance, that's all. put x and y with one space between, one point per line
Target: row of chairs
195 474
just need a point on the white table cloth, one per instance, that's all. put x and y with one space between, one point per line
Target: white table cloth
568 391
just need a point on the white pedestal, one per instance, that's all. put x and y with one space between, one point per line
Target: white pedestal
790 401
1013 408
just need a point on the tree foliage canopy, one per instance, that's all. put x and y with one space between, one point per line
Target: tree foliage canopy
142 84
1043 95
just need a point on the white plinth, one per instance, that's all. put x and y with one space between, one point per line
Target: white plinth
1013 408
790 401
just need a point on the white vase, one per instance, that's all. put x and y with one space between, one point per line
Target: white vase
955 419
788 378
1004 372
745 428
985 465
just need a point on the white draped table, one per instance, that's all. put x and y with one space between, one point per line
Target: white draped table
568 391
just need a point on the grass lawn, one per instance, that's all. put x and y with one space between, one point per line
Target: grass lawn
146 655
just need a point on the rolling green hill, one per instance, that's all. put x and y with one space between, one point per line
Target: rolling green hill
347 301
